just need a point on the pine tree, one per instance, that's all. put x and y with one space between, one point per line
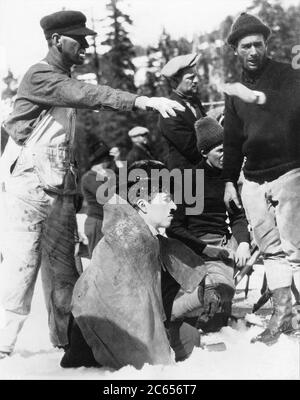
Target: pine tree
285 26
11 86
6 103
121 73
117 71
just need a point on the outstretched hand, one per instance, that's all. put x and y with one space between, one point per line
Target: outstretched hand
166 107
242 92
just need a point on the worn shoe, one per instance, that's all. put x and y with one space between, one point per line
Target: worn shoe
78 354
281 319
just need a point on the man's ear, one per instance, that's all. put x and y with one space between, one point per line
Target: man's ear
56 40
142 205
203 154
234 48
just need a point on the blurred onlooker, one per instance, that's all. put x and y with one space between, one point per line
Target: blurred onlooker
140 145
101 162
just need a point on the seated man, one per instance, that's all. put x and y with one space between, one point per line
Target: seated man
214 234
214 230
122 303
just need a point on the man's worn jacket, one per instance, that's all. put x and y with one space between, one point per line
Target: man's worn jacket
48 84
179 132
117 301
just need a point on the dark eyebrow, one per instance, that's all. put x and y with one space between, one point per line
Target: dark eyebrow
257 43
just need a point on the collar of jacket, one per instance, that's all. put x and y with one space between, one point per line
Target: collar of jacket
209 170
182 100
54 58
191 99
252 77
122 224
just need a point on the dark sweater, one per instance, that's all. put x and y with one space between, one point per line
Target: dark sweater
213 219
268 135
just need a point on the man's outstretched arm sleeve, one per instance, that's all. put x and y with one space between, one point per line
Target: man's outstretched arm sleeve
48 87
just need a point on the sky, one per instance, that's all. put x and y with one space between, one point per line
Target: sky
22 42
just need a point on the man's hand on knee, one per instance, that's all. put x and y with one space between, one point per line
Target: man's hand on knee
210 300
213 299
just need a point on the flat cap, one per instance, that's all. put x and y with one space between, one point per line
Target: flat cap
178 63
247 24
137 130
65 23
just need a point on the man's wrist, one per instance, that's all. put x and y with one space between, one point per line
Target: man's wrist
245 244
230 183
260 97
141 102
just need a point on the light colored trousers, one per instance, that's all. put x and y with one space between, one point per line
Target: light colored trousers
273 211
36 229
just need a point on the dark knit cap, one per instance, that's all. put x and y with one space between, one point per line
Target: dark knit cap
209 134
247 24
65 23
98 151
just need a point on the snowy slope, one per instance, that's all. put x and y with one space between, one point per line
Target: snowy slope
34 357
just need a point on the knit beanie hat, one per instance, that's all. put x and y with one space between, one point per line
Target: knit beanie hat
209 134
247 24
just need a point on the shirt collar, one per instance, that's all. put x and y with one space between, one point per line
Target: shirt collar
252 77
185 97
153 230
53 58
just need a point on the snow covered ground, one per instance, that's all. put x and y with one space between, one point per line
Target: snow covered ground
34 358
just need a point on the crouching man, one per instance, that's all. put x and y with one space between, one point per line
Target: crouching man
124 303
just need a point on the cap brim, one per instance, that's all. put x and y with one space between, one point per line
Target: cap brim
194 60
83 31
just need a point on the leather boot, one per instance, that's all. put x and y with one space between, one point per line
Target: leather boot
281 319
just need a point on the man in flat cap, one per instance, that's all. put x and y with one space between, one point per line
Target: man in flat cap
140 150
262 122
179 130
40 184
